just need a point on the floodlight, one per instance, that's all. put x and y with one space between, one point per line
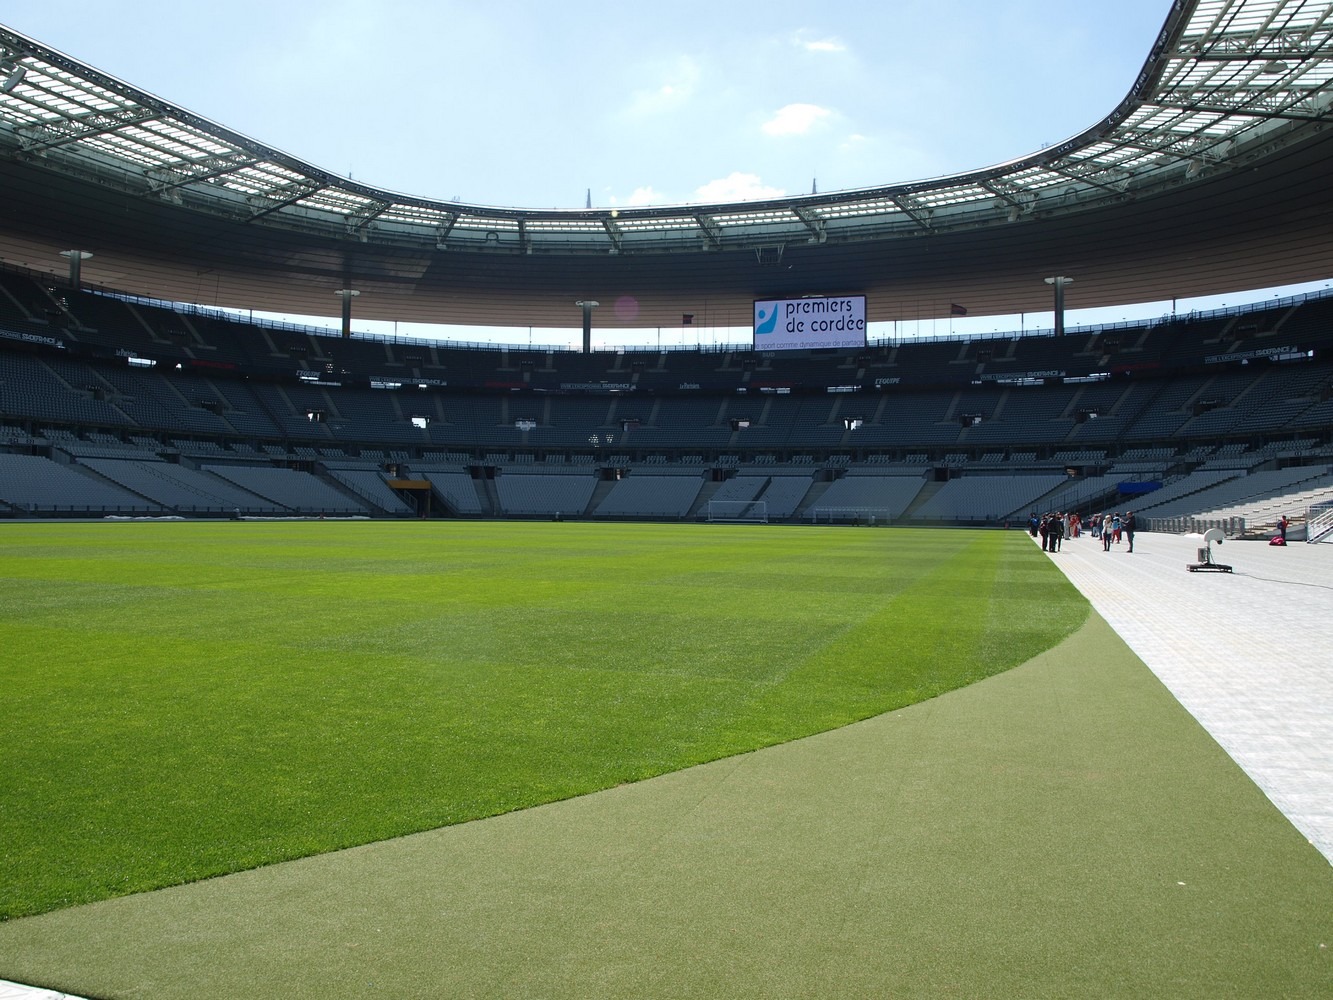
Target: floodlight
13 80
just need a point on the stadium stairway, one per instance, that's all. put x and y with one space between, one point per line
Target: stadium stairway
93 474
599 494
701 502
810 499
1108 498
926 492
488 496
342 488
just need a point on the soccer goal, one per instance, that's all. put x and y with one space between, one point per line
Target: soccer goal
749 511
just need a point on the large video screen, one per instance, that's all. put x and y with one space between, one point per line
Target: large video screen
817 321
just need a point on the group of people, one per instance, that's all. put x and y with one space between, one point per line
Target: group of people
1055 527
1114 527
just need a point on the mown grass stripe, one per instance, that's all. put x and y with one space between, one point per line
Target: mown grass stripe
196 698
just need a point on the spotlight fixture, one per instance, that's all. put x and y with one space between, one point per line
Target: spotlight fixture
15 77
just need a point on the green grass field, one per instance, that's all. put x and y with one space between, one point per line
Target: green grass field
190 699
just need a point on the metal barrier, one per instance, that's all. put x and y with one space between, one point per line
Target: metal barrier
1233 526
1319 523
851 515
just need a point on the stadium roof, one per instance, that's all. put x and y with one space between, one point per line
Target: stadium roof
1210 176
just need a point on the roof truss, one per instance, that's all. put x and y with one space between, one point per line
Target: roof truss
1225 79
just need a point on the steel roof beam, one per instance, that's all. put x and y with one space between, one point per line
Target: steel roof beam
918 214
1275 106
443 230
76 128
168 177
301 190
358 221
712 232
814 223
613 233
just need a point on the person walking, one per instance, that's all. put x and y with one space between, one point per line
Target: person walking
1106 533
1282 528
1129 527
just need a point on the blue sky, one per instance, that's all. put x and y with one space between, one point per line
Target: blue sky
543 104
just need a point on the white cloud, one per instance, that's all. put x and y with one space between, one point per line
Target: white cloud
795 119
821 44
645 196
810 42
737 186
677 87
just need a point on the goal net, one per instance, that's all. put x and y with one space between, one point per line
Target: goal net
755 511
851 515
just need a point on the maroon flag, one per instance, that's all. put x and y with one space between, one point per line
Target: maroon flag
956 310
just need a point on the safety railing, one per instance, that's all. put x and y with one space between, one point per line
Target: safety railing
1319 523
1233 526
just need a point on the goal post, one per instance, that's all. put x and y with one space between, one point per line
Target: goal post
746 511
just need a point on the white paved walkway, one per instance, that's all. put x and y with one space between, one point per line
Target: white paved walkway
1249 654
15 991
